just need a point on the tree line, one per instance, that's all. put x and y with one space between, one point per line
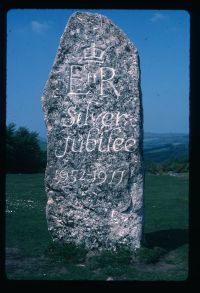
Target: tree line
24 154
175 166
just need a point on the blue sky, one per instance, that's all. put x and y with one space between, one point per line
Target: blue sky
162 40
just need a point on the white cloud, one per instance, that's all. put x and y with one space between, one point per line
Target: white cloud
39 27
157 17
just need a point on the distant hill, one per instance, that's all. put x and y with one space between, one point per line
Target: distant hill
158 147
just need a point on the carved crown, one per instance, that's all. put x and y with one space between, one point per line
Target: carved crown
93 53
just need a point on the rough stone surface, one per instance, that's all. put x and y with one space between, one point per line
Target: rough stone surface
93 114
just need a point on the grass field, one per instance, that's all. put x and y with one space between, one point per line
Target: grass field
31 255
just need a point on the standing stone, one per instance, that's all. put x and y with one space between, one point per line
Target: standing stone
93 114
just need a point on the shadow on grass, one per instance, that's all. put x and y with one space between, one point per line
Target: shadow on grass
157 244
167 239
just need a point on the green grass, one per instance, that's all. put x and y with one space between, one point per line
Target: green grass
30 253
